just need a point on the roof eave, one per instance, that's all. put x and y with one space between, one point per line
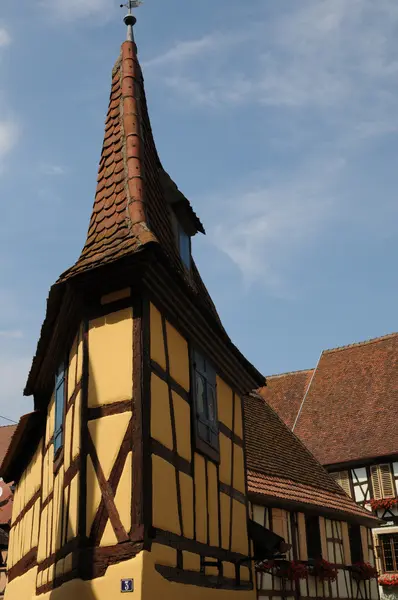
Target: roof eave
274 501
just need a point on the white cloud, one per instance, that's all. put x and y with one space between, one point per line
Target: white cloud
5 37
50 169
9 133
312 54
71 10
261 229
13 334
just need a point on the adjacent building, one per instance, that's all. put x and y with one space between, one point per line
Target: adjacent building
344 411
292 494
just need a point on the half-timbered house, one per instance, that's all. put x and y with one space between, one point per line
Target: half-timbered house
292 495
344 411
130 471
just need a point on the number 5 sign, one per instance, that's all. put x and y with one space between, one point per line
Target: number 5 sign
127 585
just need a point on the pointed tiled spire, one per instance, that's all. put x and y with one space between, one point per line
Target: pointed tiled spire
133 189
118 224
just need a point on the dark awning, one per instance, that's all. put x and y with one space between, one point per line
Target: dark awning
266 543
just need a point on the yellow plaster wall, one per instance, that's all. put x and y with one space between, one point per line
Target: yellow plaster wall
200 498
123 494
157 341
182 416
110 358
22 587
156 586
178 356
164 501
225 458
239 528
164 555
238 417
107 434
224 402
76 426
93 495
239 469
23 536
50 419
212 484
73 514
75 366
102 588
225 508
68 437
109 537
160 412
190 561
186 489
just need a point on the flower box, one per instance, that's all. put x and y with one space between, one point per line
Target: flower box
324 570
384 503
362 571
388 579
292 570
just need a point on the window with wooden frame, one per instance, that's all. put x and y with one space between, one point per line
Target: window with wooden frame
382 481
388 545
59 408
343 479
205 405
354 534
313 535
183 240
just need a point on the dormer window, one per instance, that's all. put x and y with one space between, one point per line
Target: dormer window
185 222
184 246
183 241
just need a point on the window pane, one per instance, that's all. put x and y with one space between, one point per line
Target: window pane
200 363
314 546
185 248
200 395
59 407
355 543
58 441
211 404
390 551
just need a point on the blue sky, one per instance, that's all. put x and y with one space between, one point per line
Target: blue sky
277 119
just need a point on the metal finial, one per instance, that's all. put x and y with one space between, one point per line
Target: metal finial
130 19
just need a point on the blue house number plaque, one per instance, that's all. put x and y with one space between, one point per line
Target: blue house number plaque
127 585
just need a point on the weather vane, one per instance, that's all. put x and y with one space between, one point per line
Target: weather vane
130 19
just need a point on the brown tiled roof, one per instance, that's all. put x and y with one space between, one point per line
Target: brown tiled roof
350 410
293 492
6 433
280 466
285 392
